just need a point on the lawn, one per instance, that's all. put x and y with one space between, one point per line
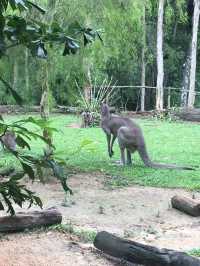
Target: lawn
167 142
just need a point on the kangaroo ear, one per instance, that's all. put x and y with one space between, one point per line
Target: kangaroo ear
104 108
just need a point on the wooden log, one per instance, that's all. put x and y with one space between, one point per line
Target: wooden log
30 220
189 114
142 254
187 205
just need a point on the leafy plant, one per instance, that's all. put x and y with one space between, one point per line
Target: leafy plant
33 34
167 115
11 190
91 105
195 252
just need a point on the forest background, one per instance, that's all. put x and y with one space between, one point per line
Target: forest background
129 32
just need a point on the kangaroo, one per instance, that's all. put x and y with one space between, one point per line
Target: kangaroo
8 140
130 138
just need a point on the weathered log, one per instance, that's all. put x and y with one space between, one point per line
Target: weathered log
187 205
189 114
142 254
8 109
66 109
30 220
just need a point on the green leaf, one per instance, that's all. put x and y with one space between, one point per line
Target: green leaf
41 51
3 5
15 95
39 8
22 143
28 169
71 47
38 201
1 206
12 4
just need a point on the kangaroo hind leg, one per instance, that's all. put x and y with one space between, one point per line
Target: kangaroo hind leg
129 160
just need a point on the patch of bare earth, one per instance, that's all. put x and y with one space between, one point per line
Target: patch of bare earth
138 213
48 249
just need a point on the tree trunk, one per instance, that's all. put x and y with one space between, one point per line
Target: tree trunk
187 205
29 220
44 103
143 59
44 108
186 79
160 67
27 71
142 254
15 74
191 97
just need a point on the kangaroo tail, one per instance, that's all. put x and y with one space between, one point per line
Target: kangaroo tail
147 161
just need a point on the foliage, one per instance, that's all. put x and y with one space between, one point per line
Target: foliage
167 115
12 190
97 94
195 252
90 104
119 58
35 35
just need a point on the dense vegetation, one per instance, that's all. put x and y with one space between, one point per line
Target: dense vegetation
119 58
19 29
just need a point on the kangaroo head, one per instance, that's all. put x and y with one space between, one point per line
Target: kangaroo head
105 110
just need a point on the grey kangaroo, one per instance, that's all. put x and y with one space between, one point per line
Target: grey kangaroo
8 140
130 138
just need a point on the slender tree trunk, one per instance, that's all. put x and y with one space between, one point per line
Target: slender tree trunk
15 74
160 67
44 103
27 71
143 74
44 106
191 97
186 79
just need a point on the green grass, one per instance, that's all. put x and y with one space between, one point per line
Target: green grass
83 235
166 142
195 252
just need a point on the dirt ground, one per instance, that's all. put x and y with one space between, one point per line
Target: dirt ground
138 213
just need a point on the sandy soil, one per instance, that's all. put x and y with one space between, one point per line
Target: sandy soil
138 213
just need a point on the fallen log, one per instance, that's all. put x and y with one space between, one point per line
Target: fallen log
189 114
187 205
141 254
29 220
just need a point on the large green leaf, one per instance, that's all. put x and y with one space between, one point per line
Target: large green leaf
21 5
15 95
39 8
29 170
71 47
22 143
